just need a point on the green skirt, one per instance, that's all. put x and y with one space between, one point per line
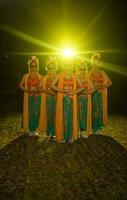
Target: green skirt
96 111
34 103
68 117
82 112
50 114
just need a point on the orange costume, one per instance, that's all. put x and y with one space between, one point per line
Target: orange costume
47 100
27 84
32 96
100 79
60 111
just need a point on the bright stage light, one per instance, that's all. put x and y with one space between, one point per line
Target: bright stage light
68 53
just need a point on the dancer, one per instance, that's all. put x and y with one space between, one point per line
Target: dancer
48 105
65 85
32 96
84 99
99 98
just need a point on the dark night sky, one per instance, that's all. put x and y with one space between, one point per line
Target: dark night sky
53 20
88 24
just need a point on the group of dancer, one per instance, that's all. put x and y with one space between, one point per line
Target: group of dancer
68 105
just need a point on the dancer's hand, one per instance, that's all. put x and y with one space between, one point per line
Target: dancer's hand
71 93
63 90
32 90
50 92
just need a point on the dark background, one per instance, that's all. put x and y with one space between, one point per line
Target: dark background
87 24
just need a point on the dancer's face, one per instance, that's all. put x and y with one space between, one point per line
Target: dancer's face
51 67
68 66
82 67
96 63
81 70
33 69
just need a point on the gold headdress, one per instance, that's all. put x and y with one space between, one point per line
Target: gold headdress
33 61
81 63
51 60
95 56
67 61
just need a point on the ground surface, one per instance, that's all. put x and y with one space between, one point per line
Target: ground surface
88 169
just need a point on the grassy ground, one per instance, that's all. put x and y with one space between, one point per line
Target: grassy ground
88 169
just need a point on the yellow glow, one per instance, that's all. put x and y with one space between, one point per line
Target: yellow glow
68 52
26 37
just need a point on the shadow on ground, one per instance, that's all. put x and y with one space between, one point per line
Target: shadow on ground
90 169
